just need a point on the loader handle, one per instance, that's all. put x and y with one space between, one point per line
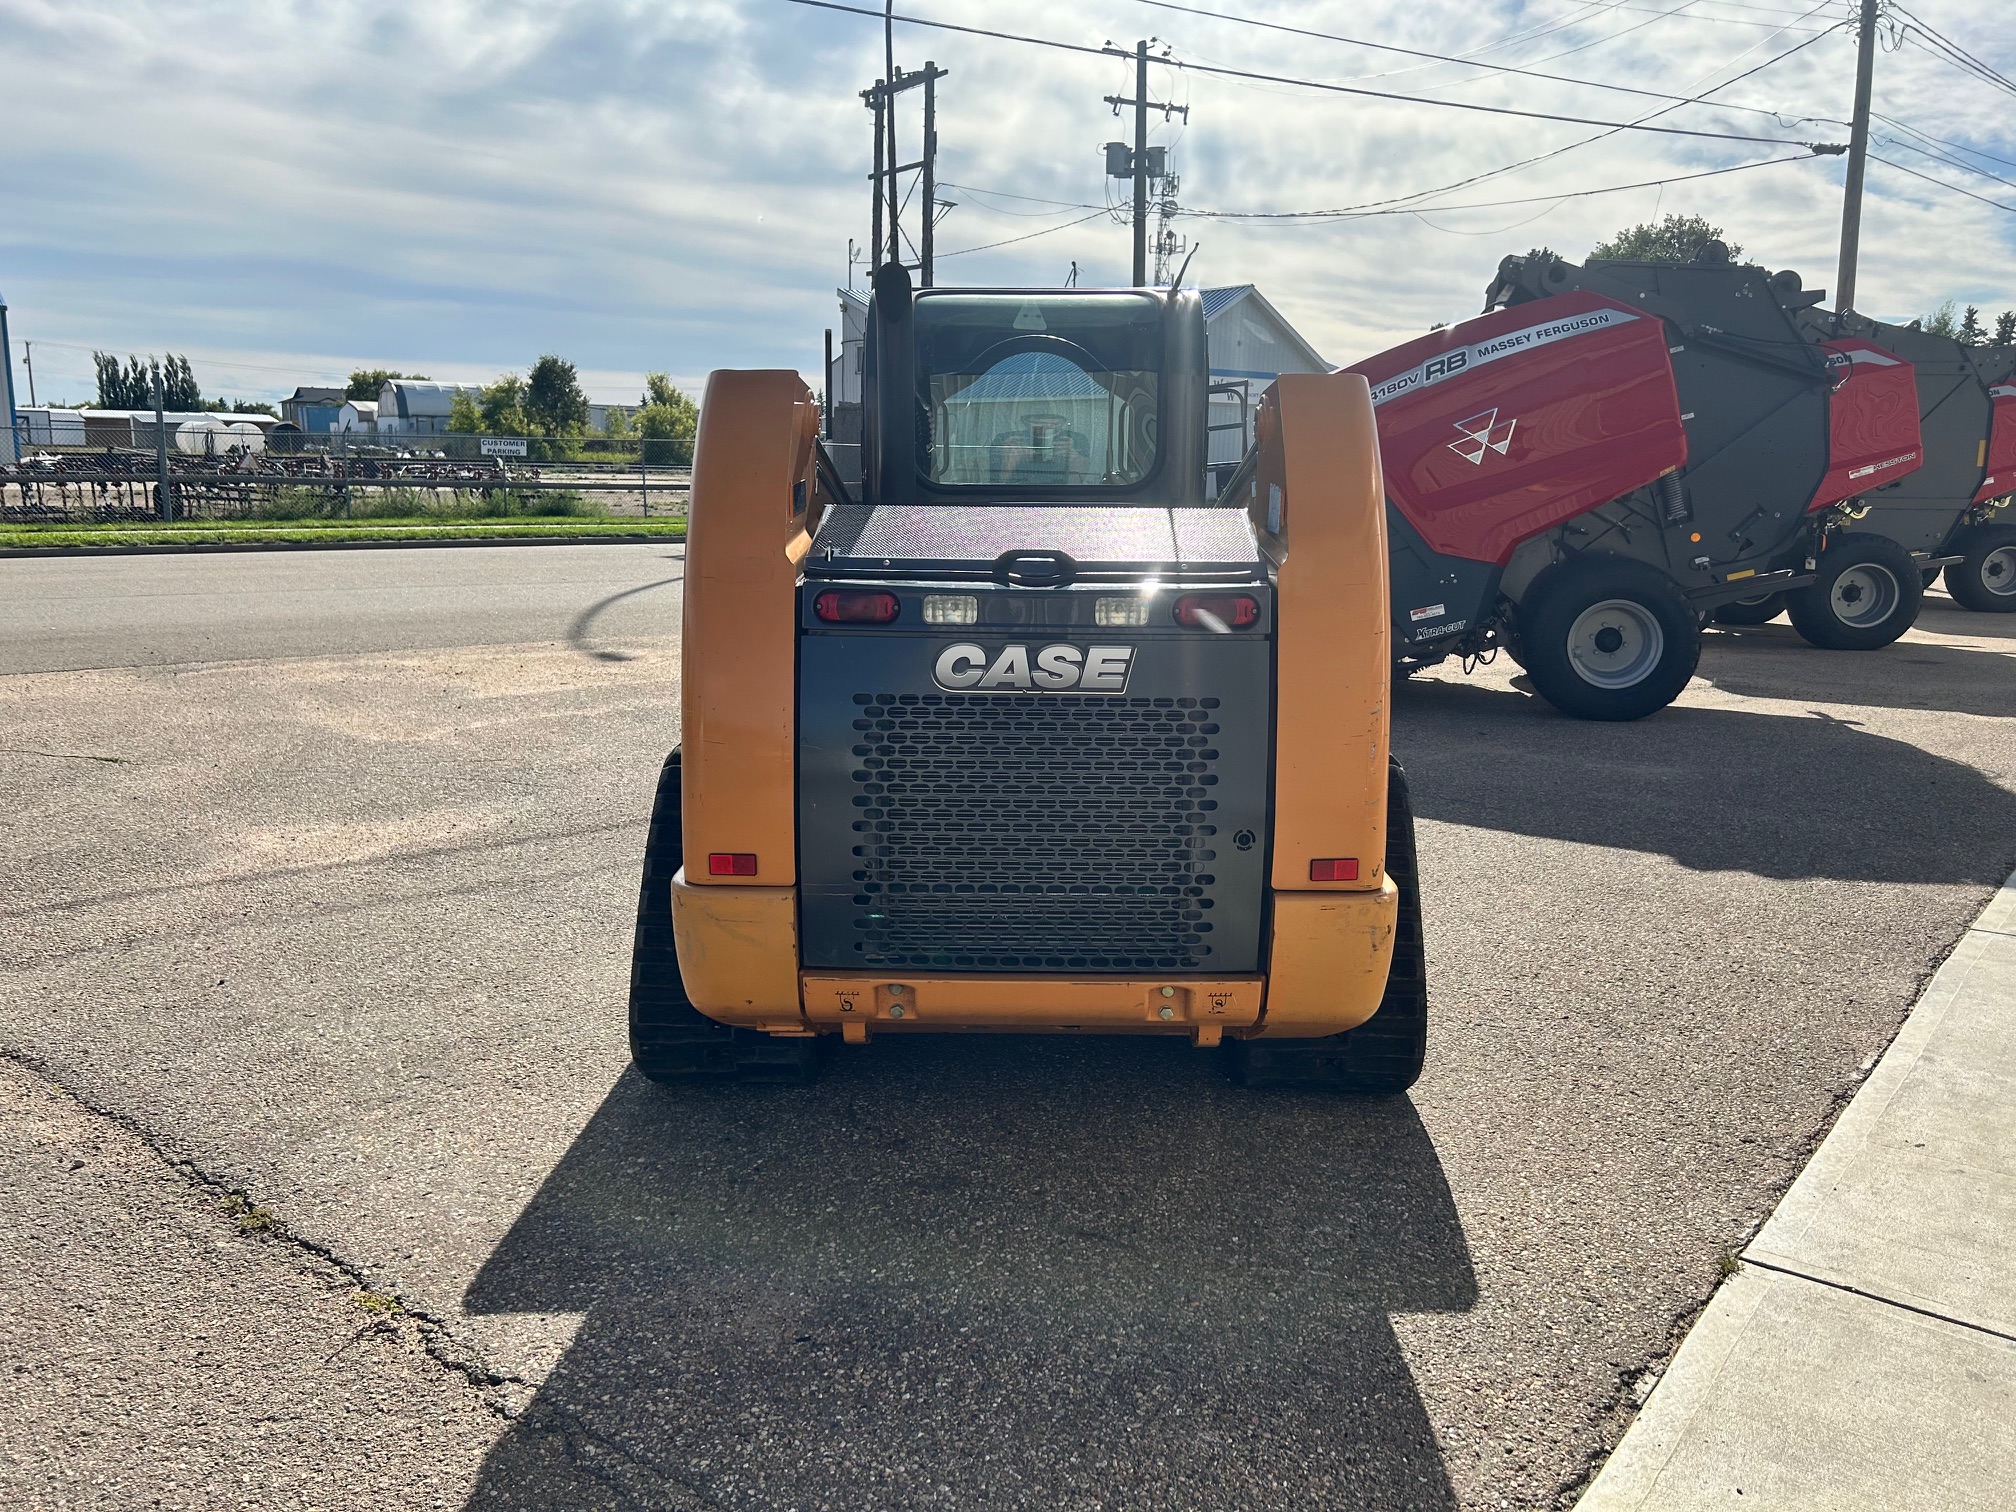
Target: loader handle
1035 569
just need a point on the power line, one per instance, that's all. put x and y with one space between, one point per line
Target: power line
1926 136
1942 183
1030 199
1404 203
1720 20
1944 157
1368 210
1413 52
1965 58
1217 71
1478 178
1980 76
990 246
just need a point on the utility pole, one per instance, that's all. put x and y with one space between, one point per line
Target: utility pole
1167 243
28 359
874 99
881 100
1858 159
1138 163
164 501
927 186
10 434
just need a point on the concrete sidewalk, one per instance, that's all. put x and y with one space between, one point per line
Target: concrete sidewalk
1864 1355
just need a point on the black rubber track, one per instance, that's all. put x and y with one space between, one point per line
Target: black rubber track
671 1041
1384 1054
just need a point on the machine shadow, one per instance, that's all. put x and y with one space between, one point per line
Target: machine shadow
986 1272
1715 789
1770 661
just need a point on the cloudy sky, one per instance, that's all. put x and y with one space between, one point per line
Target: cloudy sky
286 191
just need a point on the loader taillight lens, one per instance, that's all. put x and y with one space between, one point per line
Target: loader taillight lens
1220 612
743 864
1336 869
838 606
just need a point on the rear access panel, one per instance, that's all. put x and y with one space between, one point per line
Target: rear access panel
1872 424
1999 455
952 830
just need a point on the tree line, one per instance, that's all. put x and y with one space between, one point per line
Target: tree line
548 401
1676 238
131 387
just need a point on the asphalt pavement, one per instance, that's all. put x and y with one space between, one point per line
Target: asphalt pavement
317 889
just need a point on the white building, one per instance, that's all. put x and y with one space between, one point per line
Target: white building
358 415
43 425
409 407
1249 344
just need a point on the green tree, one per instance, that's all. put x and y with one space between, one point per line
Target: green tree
496 409
1970 332
666 414
366 382
553 401
2005 328
500 407
1942 321
111 381
1675 238
179 389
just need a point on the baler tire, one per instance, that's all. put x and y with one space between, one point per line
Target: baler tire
1385 1054
1760 611
672 1042
1565 596
1986 580
1813 610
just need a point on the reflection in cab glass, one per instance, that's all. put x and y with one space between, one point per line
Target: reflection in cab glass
1023 392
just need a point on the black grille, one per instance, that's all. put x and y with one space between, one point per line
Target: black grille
1034 832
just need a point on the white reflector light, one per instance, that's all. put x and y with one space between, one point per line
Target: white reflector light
1115 613
950 609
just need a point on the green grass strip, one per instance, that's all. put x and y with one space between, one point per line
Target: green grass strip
251 533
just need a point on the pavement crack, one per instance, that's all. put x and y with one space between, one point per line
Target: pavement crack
437 1340
320 868
1882 1298
65 755
502 1394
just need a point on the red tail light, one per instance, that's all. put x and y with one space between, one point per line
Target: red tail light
1337 869
731 864
1217 611
839 606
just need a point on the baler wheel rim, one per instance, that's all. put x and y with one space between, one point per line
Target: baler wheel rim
1998 571
1865 595
1616 643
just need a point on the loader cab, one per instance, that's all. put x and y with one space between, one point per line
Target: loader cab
1034 396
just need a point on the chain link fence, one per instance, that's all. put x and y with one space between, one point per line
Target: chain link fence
90 468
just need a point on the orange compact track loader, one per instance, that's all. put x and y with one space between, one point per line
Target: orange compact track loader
1035 732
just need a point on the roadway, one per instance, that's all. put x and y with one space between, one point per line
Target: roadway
318 878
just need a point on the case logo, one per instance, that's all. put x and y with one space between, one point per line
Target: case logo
967 668
1481 434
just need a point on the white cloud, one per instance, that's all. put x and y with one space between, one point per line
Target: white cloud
289 190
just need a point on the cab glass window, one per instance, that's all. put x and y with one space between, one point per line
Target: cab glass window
1049 394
